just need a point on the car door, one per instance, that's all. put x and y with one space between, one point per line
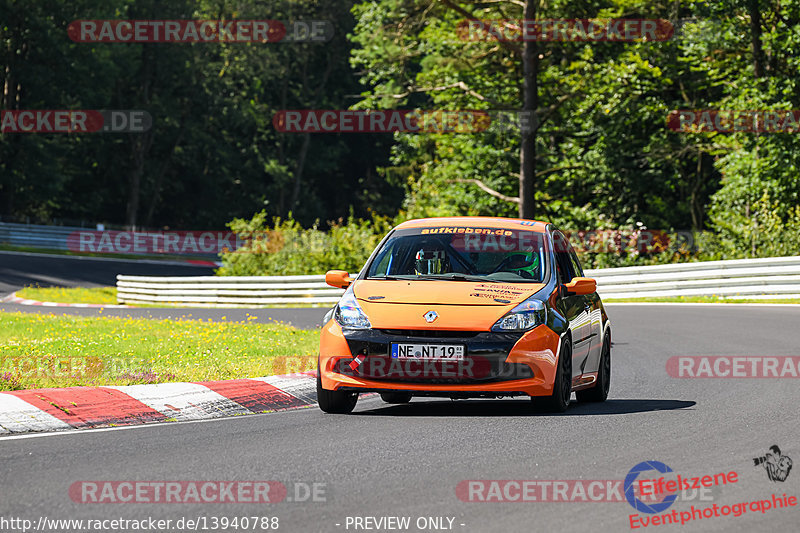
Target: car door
591 304
573 305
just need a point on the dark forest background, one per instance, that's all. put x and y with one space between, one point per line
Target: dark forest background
603 157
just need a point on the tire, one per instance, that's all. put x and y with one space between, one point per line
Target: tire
599 392
335 402
396 397
558 401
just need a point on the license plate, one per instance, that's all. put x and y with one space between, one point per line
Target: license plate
428 351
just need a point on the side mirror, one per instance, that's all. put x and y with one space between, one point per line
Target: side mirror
581 286
338 278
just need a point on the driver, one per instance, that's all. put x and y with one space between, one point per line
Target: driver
525 265
431 261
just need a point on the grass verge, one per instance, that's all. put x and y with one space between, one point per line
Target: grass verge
705 300
64 351
71 295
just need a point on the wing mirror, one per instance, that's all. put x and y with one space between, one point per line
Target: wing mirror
338 278
581 286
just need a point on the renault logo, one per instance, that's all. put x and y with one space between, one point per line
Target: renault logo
430 316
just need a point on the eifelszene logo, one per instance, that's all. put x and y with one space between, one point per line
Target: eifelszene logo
629 487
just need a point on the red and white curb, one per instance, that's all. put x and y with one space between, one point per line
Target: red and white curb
40 410
14 299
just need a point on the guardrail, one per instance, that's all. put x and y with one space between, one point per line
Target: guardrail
111 241
226 291
37 236
773 278
766 278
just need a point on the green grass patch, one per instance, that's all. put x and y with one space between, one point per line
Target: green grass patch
705 300
64 351
71 295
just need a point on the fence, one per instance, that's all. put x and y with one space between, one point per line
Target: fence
36 236
773 278
142 243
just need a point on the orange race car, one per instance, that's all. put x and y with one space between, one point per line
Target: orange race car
466 307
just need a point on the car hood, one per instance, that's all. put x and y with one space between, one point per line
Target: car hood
460 305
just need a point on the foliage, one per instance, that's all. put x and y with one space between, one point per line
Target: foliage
770 230
212 153
286 248
604 158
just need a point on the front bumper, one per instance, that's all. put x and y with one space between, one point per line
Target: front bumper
495 364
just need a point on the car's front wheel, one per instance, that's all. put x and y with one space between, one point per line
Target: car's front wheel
396 397
558 401
332 401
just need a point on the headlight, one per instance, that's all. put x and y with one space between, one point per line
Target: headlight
348 313
523 317
328 315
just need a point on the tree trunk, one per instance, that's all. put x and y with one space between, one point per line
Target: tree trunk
10 100
695 200
159 178
755 35
301 158
140 142
139 148
298 171
527 152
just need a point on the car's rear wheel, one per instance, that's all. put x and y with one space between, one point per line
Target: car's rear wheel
558 401
599 392
396 397
336 402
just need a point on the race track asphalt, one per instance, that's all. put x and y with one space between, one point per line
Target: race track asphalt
18 269
407 460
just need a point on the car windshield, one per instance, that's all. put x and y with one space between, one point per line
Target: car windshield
461 254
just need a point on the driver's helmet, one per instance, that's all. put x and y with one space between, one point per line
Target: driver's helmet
525 264
431 261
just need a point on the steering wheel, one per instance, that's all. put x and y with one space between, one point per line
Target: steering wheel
503 267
